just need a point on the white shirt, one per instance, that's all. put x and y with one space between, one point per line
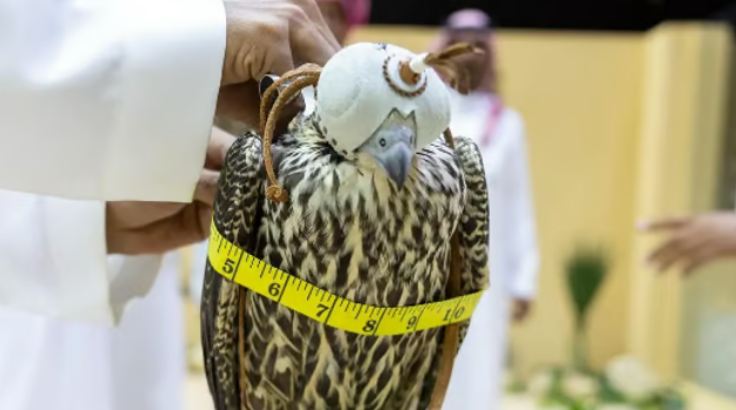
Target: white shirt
99 100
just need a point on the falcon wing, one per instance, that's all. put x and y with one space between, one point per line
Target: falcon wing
472 231
236 217
473 227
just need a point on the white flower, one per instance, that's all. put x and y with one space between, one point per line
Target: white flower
540 384
615 406
578 385
632 378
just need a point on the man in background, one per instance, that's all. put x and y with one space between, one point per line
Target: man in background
478 112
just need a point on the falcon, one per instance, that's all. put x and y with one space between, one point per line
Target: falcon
364 198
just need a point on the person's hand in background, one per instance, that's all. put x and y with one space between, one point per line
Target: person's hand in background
268 37
692 241
134 227
520 309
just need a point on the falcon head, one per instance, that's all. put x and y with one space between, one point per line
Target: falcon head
381 102
375 101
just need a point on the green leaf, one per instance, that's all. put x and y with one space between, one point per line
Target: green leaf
586 269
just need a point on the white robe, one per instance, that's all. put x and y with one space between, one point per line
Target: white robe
99 100
48 363
476 381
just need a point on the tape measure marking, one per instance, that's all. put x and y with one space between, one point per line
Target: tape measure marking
238 266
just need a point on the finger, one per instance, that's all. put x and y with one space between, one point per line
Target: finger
134 214
309 46
663 224
206 188
220 142
279 59
239 102
684 246
308 14
318 21
667 253
204 213
186 227
681 246
278 56
704 255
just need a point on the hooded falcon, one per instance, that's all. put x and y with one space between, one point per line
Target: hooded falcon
362 199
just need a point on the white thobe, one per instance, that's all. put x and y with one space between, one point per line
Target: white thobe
476 381
99 100
48 363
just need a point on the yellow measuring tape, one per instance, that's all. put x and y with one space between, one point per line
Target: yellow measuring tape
237 265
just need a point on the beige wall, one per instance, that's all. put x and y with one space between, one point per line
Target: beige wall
588 114
579 95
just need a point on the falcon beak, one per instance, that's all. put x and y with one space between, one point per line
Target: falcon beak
392 146
397 153
397 160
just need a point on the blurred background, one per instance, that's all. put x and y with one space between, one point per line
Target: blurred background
628 108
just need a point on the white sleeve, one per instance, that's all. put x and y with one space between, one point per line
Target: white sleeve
108 99
54 260
522 239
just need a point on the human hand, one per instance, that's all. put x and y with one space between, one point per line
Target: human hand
693 241
134 227
520 309
268 36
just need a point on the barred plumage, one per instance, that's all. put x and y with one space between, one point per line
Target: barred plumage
347 228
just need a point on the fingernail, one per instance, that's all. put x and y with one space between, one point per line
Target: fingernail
642 224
